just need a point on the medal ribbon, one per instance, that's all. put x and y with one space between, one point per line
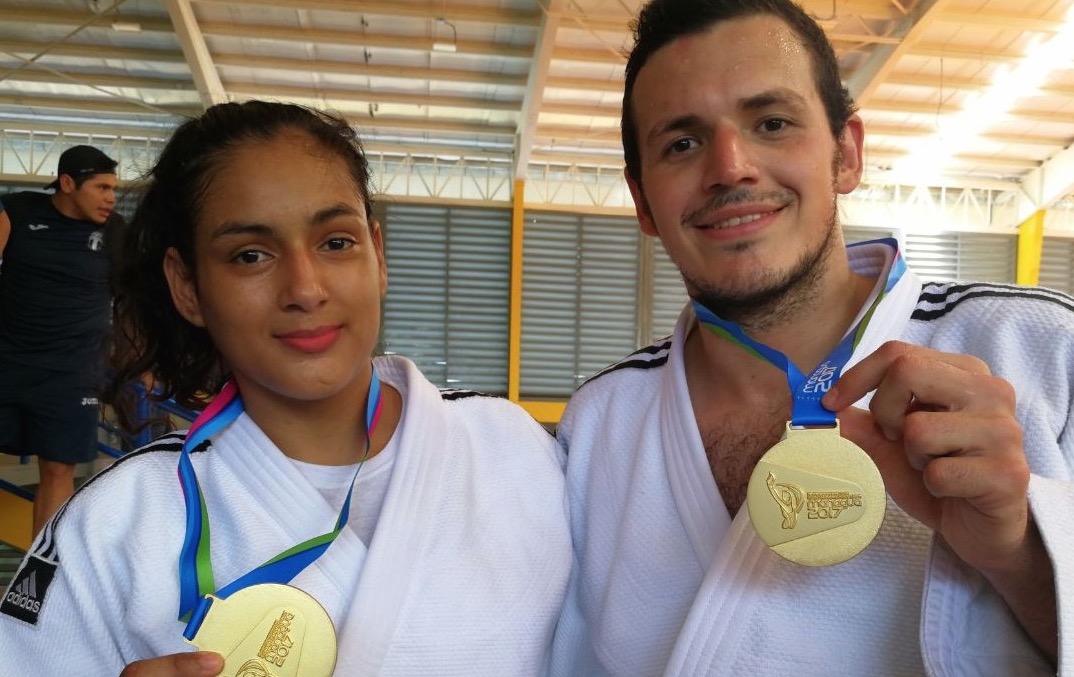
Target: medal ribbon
195 566
806 409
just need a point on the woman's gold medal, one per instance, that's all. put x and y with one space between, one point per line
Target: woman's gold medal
269 629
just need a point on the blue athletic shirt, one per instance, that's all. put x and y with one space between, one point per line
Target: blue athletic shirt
55 304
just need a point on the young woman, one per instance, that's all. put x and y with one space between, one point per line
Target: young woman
328 511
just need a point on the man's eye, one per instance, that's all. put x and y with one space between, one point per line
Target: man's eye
250 256
339 243
773 125
681 145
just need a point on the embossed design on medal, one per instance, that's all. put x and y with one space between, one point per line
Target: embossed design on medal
816 498
278 643
822 504
788 497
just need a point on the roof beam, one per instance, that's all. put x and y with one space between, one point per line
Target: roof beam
454 11
325 36
613 22
583 110
100 80
255 90
368 70
928 110
1014 22
60 17
156 132
196 52
82 104
953 52
535 84
882 61
983 163
433 150
584 84
381 123
1046 185
573 133
873 131
68 48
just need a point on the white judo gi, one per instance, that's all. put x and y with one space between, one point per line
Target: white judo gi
667 582
465 574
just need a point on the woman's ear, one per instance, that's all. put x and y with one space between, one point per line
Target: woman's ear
184 290
378 242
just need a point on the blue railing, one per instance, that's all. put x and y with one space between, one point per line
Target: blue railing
16 489
147 409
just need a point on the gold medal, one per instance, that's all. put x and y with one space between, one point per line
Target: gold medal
816 498
269 630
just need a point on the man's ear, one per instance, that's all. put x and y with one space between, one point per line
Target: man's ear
641 206
851 141
184 290
67 184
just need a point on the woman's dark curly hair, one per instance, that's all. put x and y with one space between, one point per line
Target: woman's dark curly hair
152 337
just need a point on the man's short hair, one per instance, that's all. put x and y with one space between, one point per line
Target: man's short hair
660 22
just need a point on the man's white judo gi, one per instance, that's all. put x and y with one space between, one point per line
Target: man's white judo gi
667 582
465 574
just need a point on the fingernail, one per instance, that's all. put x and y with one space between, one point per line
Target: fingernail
830 397
209 660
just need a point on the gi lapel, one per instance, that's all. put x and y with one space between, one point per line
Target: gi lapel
290 506
405 520
704 516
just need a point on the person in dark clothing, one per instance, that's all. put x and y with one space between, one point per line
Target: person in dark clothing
54 318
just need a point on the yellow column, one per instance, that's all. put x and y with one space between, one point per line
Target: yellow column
1030 244
545 412
514 340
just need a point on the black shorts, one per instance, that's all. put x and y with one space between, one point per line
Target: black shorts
50 414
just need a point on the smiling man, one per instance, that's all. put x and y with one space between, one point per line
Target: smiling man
54 314
725 522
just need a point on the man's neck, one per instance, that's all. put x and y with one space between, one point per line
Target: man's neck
65 206
806 333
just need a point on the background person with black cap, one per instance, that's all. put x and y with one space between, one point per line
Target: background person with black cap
54 317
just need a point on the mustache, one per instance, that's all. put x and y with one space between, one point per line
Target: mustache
736 196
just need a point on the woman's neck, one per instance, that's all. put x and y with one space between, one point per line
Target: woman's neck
326 432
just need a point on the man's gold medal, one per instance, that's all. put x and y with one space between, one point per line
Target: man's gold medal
816 498
267 630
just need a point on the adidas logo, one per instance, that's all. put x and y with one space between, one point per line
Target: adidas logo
24 595
28 589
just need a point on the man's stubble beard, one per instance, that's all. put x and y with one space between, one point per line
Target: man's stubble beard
778 296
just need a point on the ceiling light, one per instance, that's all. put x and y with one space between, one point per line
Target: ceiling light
441 44
955 132
126 26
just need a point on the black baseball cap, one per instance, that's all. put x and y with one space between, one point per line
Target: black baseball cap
79 161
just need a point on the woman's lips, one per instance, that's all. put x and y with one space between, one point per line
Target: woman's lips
313 341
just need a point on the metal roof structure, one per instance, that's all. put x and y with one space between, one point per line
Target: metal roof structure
462 99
